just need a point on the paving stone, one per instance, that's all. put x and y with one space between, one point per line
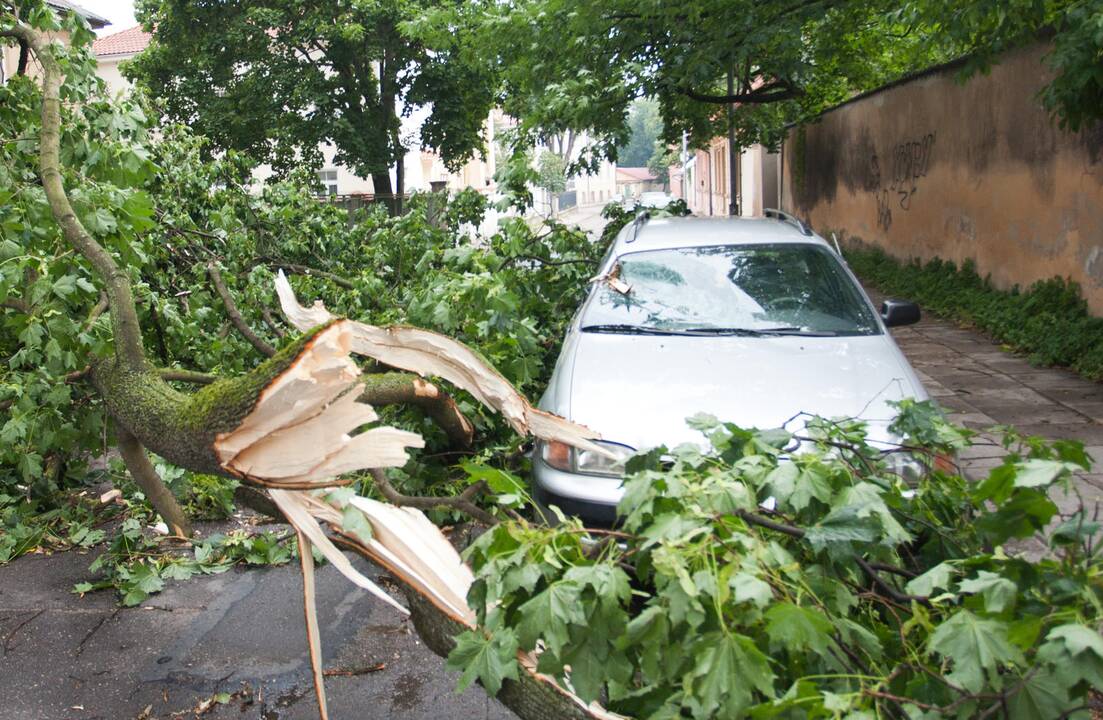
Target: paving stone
1030 414
1006 391
1093 410
974 420
1052 378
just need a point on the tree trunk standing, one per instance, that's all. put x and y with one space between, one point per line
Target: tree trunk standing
400 178
733 157
388 80
381 184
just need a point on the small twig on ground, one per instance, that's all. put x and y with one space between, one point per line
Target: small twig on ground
355 671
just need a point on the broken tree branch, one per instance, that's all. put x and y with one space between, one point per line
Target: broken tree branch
97 310
887 588
409 389
187 376
298 269
464 502
235 316
146 477
14 303
128 335
272 324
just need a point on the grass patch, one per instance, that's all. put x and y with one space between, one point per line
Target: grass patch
1049 322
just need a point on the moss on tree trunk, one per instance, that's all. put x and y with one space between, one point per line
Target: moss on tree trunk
182 427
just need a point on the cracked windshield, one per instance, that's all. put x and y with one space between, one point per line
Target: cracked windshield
764 288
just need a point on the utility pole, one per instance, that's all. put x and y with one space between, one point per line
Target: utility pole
733 183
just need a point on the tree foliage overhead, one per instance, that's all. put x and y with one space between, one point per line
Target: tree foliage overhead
274 78
568 63
578 64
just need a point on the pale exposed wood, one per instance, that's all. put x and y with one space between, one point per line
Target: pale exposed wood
295 505
301 428
416 548
430 353
313 636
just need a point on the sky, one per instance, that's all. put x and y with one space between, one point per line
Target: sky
119 12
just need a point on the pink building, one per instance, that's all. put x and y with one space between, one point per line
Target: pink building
705 180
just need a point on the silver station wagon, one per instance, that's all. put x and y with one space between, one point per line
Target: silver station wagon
753 320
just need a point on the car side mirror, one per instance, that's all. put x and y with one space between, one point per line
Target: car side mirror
895 313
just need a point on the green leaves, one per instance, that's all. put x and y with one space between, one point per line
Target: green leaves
798 629
976 647
727 670
710 600
1075 654
999 593
549 614
491 660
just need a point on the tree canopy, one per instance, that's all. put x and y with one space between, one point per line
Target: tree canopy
645 125
276 78
577 64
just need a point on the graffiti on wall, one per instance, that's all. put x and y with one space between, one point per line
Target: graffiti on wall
908 162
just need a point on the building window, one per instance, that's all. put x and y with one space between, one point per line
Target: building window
328 178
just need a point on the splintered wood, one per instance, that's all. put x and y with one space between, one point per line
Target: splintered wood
306 429
299 431
431 354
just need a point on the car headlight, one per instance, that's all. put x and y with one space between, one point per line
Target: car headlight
913 467
908 467
562 456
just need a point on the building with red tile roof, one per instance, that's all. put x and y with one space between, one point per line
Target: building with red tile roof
125 42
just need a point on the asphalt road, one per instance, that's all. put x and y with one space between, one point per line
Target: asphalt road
65 657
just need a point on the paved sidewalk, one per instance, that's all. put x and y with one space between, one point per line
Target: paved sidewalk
983 386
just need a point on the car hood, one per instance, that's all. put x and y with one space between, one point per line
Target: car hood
639 390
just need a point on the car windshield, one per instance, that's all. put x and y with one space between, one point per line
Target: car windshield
769 289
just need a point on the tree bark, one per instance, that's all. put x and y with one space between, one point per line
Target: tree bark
235 315
155 490
406 388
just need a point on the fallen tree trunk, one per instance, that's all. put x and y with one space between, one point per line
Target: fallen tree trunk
296 424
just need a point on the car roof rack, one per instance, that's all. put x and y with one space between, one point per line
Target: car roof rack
640 220
786 217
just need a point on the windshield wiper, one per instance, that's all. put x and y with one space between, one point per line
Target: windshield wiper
744 332
761 332
629 329
706 331
798 331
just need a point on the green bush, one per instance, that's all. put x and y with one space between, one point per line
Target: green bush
1049 322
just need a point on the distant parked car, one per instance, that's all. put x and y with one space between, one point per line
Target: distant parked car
753 320
655 200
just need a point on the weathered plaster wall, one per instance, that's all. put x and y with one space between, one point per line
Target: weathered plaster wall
935 168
